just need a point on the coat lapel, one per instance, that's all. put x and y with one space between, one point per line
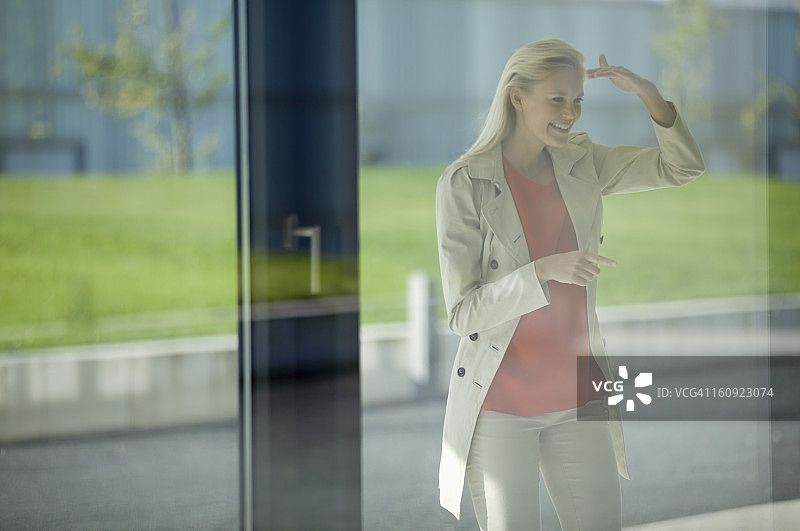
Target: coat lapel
500 212
580 197
502 217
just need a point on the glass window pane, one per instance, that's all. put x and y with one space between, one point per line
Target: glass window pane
700 266
118 346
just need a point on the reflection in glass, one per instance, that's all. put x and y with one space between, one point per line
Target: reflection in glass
118 265
422 101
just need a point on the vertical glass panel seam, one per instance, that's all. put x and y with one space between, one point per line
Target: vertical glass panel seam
244 216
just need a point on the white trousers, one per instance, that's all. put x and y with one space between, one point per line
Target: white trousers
576 460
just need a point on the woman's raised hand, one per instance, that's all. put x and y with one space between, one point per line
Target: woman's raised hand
574 267
623 79
627 81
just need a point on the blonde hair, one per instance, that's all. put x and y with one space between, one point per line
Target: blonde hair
530 64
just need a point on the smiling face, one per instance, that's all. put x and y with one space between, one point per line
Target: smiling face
548 109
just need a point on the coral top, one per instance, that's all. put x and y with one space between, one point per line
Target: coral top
538 372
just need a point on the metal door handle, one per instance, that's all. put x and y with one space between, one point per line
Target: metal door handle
291 233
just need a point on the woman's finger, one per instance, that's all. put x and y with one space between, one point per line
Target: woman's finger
600 260
588 268
603 61
610 73
594 270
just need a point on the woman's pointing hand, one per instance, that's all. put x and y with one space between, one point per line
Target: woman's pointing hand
574 267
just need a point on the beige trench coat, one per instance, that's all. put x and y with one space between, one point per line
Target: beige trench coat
489 280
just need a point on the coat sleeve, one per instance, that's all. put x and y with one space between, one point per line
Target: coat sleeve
676 161
472 304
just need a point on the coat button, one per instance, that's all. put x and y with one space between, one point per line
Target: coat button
473 337
461 371
493 264
601 239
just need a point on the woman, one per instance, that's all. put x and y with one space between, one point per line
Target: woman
518 220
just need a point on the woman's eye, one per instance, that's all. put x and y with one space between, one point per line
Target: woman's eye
579 101
558 99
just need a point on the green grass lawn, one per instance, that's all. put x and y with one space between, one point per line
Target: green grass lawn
74 252
111 259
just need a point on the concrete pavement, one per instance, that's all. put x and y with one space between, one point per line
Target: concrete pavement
779 516
709 476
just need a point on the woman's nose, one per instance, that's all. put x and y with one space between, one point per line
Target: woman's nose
572 111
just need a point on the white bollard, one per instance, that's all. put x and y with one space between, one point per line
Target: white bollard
421 316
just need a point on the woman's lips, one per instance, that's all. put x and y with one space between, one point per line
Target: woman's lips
561 128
